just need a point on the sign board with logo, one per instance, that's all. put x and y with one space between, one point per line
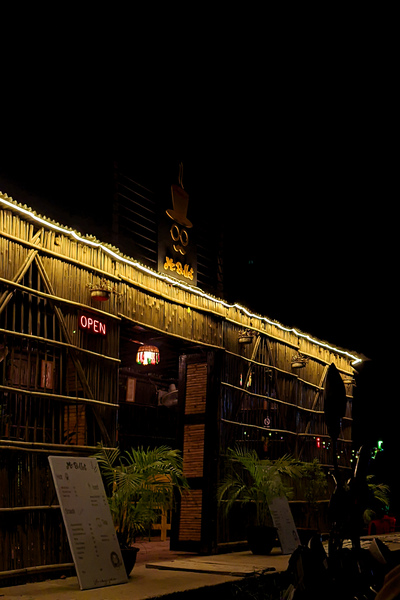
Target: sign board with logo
283 520
87 518
176 248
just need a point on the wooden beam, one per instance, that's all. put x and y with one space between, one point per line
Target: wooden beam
6 296
60 397
58 343
58 299
61 257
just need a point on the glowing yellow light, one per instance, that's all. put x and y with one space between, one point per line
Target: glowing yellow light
148 355
175 282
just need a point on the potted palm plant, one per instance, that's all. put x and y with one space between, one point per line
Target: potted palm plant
257 481
139 484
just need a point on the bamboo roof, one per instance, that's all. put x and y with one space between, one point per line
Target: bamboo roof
161 285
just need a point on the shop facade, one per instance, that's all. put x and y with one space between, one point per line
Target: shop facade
73 314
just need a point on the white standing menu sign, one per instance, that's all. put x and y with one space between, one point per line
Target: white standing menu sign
283 520
87 517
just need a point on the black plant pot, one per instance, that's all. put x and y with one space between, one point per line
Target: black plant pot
261 539
129 558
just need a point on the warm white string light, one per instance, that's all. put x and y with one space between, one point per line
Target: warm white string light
172 280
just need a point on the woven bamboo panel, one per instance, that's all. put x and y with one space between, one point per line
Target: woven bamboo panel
196 388
190 517
193 450
75 424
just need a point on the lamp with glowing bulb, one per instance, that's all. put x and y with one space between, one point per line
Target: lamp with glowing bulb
148 355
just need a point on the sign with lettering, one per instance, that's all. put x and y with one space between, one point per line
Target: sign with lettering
177 252
283 520
87 518
92 324
176 247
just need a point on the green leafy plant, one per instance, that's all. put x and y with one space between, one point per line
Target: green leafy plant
380 499
139 484
255 480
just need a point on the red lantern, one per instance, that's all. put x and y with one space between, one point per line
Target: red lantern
148 355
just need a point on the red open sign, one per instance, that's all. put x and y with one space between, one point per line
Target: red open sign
92 325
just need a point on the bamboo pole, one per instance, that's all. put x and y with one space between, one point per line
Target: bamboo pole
63 257
15 509
37 569
58 299
60 397
6 296
169 334
264 397
44 447
59 343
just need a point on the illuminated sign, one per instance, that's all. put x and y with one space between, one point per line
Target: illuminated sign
92 325
179 268
179 239
176 249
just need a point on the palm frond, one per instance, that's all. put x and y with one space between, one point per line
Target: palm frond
140 483
380 491
251 479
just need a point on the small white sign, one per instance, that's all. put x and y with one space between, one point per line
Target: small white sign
283 521
87 518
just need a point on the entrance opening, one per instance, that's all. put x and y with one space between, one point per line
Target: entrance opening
148 394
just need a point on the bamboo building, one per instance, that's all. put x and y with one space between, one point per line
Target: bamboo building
73 314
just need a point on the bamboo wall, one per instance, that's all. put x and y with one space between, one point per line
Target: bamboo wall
58 386
270 406
46 278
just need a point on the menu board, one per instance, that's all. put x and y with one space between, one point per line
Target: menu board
87 518
283 520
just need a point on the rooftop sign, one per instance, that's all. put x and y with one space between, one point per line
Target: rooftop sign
176 247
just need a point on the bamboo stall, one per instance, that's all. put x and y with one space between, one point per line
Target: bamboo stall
69 379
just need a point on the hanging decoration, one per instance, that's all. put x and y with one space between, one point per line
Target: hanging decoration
101 291
246 336
299 361
148 355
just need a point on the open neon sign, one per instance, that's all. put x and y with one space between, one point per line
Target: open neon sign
92 325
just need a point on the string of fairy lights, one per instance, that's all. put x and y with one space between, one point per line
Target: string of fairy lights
171 280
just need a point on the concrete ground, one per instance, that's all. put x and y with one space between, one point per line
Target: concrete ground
158 571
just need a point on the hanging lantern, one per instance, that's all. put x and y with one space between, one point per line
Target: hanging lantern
101 291
100 295
299 361
246 336
148 355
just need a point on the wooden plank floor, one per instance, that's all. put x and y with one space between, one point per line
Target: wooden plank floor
236 564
